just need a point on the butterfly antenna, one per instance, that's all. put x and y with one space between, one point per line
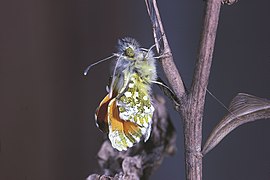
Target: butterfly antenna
100 61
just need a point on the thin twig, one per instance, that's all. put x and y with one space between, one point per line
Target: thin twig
167 61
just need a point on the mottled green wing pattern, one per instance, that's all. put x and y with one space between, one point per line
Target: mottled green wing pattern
135 105
122 134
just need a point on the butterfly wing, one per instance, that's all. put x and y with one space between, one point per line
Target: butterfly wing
135 105
127 117
122 134
101 114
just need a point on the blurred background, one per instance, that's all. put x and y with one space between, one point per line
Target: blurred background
47 128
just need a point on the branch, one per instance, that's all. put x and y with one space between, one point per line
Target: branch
192 109
244 108
162 45
204 60
193 113
141 160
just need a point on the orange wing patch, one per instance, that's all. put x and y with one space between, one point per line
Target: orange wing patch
101 114
122 134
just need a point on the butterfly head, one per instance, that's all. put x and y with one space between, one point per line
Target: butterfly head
129 52
129 49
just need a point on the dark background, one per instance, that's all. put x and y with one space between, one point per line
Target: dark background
47 128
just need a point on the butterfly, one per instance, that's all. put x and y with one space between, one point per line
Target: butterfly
126 111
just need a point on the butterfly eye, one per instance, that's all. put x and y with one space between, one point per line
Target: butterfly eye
129 52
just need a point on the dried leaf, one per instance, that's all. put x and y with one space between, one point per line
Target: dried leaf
244 108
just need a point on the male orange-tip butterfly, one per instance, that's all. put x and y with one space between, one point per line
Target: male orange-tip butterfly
126 111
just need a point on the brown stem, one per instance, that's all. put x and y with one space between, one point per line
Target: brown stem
191 108
194 112
167 62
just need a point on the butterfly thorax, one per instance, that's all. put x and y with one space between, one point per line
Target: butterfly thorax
133 60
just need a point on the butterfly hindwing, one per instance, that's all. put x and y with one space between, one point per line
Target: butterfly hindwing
122 134
135 103
101 114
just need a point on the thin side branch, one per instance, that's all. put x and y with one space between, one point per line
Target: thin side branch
167 62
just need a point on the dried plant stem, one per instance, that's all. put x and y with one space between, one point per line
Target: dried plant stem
191 108
193 114
167 62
